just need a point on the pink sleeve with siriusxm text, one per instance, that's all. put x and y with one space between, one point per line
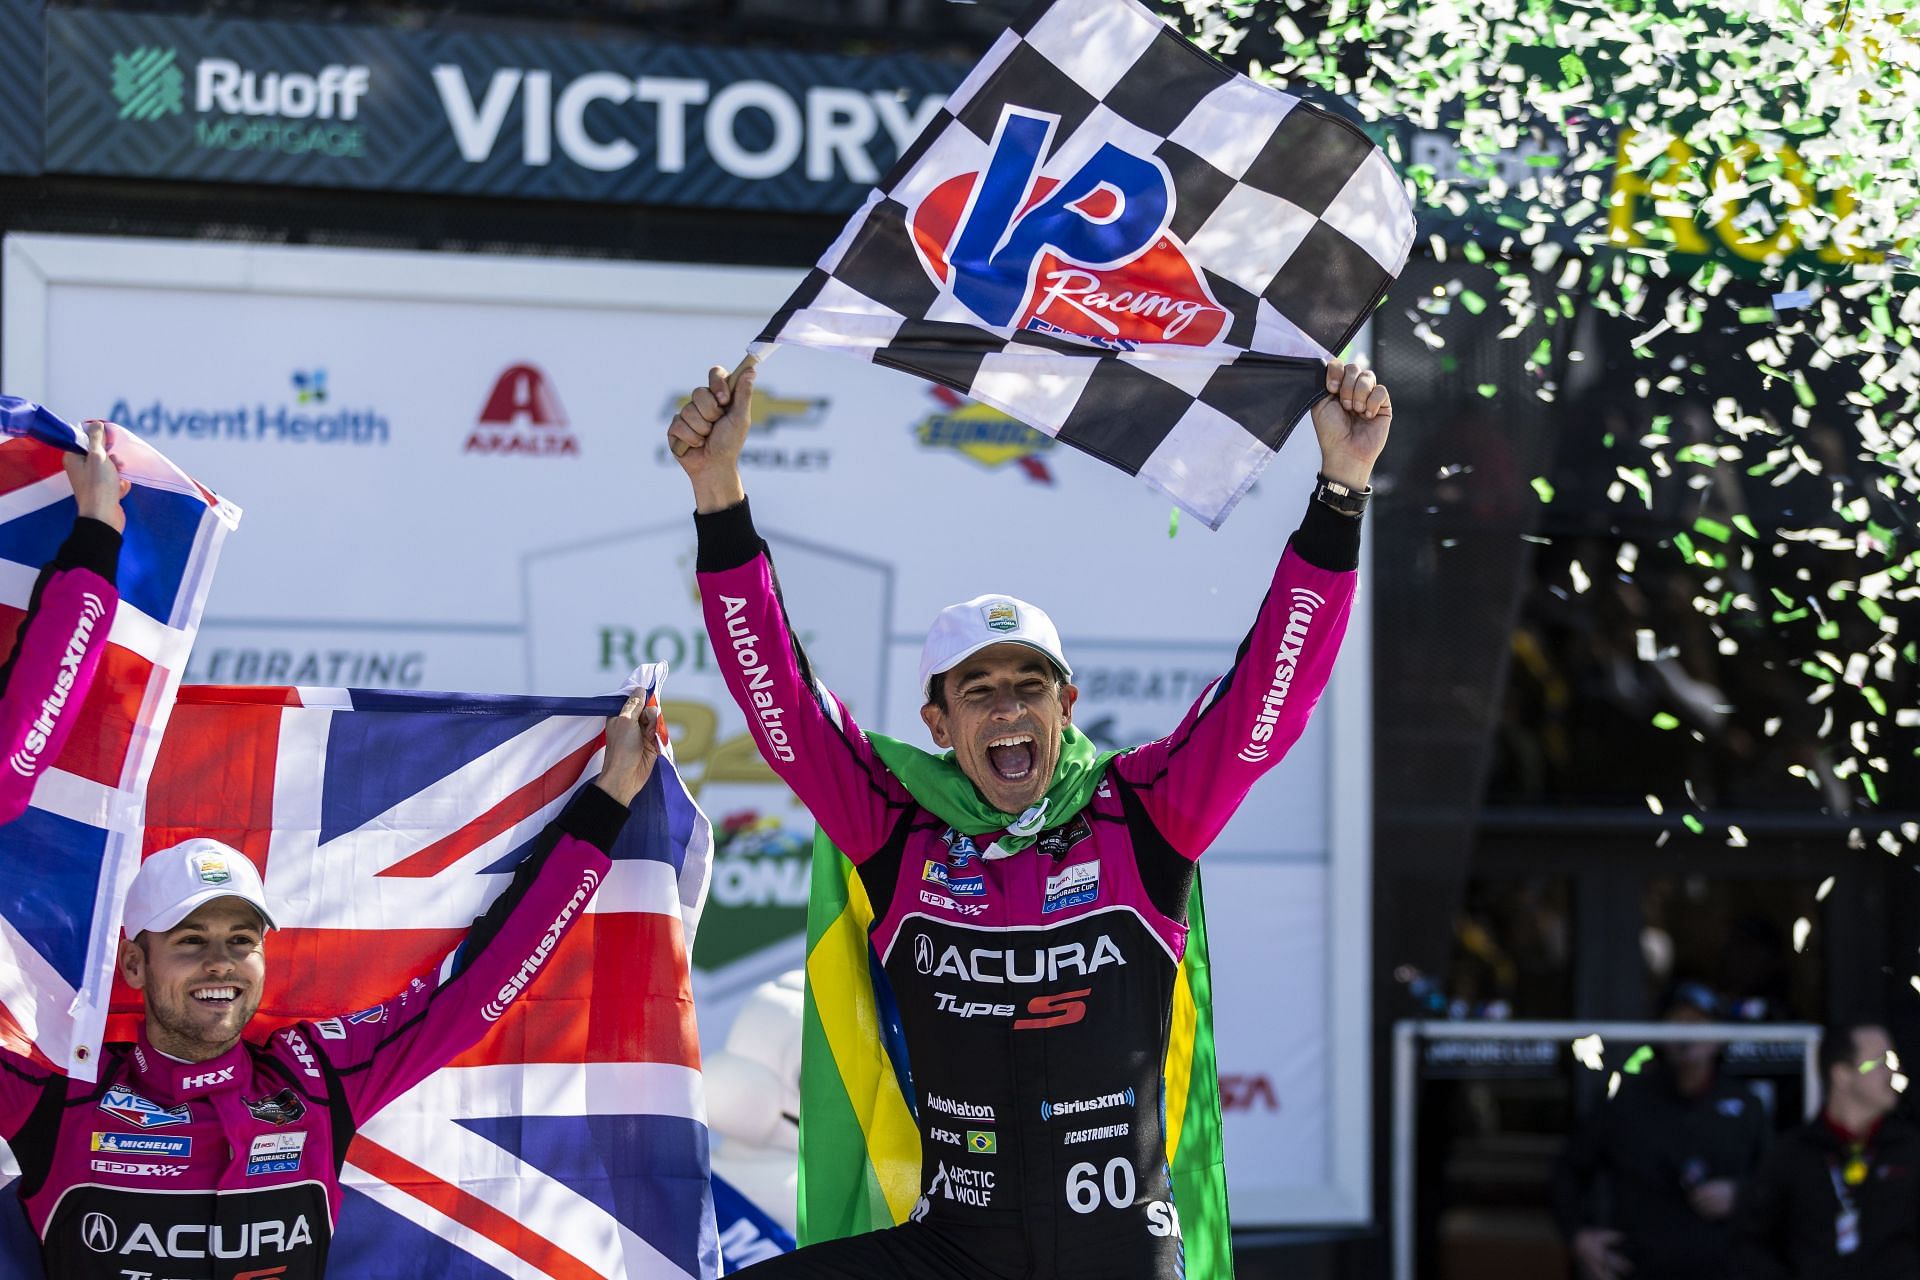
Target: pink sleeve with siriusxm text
1193 779
54 659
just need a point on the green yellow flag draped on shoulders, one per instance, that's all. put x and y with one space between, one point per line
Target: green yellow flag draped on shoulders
859 1147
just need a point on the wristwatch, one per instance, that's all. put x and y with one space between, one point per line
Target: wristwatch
1342 498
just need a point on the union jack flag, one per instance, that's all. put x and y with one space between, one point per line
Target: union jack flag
69 858
571 1143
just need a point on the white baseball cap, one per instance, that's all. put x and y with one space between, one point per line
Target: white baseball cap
962 630
174 881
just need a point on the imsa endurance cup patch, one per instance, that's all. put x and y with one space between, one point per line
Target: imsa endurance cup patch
275 1153
1072 886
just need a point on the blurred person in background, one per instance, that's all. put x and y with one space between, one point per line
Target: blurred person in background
1839 1197
1647 1184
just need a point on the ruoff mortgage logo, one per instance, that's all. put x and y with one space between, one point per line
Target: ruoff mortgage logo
984 436
241 107
148 84
523 417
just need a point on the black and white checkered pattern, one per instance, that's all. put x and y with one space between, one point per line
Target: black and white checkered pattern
1294 219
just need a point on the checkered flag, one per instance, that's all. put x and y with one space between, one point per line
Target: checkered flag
1116 239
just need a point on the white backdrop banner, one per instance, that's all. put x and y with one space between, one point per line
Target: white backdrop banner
454 478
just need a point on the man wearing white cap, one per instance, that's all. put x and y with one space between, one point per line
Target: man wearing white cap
1029 894
200 1155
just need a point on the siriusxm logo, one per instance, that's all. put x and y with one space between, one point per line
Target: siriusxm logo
1285 661
26 761
1087 255
510 990
1078 1106
301 420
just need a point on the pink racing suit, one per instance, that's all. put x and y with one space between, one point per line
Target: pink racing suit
1035 991
54 657
230 1169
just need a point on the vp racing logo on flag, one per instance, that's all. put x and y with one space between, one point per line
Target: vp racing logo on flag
1286 660
1088 258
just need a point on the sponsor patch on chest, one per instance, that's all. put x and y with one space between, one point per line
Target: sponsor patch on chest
275 1153
125 1104
1072 886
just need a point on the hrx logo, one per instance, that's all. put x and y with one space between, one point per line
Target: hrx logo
523 416
1087 257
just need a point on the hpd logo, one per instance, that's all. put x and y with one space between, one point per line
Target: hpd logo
1088 257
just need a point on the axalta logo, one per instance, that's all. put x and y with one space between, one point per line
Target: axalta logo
244 108
745 647
522 416
960 1110
984 435
494 1009
26 760
200 1240
302 419
1286 660
1088 257
999 965
1080 1106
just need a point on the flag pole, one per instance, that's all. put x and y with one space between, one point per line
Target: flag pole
751 359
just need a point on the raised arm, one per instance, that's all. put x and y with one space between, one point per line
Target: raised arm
1193 779
381 1052
58 647
803 731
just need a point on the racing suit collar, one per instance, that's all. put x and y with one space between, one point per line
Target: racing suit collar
170 1081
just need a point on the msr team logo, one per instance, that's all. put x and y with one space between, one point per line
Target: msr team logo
1089 258
522 416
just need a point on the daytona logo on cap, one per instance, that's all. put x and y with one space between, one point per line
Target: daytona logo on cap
1000 616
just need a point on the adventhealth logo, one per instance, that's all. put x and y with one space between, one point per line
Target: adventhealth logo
299 420
148 84
243 108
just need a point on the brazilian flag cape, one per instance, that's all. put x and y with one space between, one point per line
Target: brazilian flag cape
859 1146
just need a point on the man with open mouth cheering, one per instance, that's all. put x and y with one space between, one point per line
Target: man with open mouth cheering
1029 894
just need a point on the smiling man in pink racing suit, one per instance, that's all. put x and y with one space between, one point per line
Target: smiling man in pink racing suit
202 1156
1032 934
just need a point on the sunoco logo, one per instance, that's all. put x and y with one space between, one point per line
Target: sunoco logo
523 416
1285 660
243 108
984 435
